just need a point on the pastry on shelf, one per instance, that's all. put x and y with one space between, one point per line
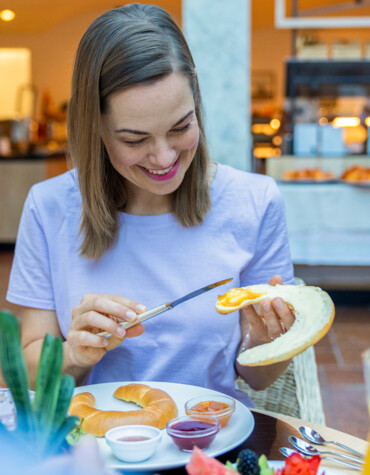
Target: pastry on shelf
356 173
307 174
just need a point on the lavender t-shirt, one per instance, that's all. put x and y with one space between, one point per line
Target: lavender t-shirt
155 260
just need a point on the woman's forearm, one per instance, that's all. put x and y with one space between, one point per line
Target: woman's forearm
259 377
32 354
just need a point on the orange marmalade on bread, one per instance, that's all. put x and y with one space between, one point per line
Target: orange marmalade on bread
235 297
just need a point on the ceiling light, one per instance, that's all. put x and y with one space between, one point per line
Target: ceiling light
7 15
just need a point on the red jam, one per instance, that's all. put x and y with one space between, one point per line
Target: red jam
133 438
186 441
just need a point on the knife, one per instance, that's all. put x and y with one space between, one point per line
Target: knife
165 306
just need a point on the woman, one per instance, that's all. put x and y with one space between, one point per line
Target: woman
145 218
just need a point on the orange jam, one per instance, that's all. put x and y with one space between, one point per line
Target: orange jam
235 297
212 408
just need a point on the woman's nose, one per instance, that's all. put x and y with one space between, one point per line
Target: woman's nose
163 154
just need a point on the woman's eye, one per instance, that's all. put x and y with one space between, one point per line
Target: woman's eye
133 143
182 129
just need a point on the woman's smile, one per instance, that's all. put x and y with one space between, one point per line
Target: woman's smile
162 174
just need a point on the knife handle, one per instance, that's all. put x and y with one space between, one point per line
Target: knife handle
141 318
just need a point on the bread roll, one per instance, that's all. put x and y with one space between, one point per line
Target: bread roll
314 314
157 409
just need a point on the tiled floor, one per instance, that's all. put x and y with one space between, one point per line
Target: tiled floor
338 356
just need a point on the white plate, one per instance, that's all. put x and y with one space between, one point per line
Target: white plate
275 464
168 455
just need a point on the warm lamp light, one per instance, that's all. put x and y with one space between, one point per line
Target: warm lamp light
277 140
367 121
15 67
7 15
275 124
346 122
265 152
262 129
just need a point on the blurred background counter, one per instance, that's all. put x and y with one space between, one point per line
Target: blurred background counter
18 173
329 233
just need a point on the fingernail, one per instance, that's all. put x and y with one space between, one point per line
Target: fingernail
140 307
130 315
105 342
120 331
266 306
278 303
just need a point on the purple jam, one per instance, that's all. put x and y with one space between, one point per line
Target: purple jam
191 426
192 434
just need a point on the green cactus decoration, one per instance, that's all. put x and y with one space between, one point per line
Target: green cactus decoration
42 424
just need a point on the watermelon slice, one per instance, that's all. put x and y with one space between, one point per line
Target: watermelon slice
201 464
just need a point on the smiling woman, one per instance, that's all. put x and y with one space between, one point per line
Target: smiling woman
143 218
147 83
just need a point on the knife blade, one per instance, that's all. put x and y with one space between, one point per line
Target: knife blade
166 306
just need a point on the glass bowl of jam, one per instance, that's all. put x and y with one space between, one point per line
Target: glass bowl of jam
133 443
188 431
220 406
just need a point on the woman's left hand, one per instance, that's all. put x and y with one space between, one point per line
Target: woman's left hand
270 320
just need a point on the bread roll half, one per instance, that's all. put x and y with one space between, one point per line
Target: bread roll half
314 315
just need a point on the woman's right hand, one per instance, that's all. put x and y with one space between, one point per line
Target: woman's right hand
96 313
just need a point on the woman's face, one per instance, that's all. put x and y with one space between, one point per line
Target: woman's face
151 134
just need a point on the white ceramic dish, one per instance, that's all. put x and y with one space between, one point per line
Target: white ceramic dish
133 443
167 454
223 415
204 430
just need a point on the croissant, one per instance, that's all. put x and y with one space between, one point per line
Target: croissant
157 408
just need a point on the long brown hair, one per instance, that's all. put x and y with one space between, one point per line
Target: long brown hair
123 47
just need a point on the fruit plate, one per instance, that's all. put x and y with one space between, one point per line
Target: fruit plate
276 464
168 456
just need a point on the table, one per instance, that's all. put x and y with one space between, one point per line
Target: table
271 432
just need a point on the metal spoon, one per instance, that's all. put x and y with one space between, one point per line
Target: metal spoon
308 449
286 451
318 439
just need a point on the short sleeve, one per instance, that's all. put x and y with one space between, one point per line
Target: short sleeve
272 254
30 279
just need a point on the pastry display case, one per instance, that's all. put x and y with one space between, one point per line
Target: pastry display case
320 158
322 130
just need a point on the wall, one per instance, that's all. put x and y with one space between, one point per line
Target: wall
270 46
53 50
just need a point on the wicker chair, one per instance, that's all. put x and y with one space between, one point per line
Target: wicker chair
296 393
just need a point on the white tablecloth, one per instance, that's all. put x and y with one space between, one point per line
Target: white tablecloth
328 224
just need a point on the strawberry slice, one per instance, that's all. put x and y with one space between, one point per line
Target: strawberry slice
295 464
